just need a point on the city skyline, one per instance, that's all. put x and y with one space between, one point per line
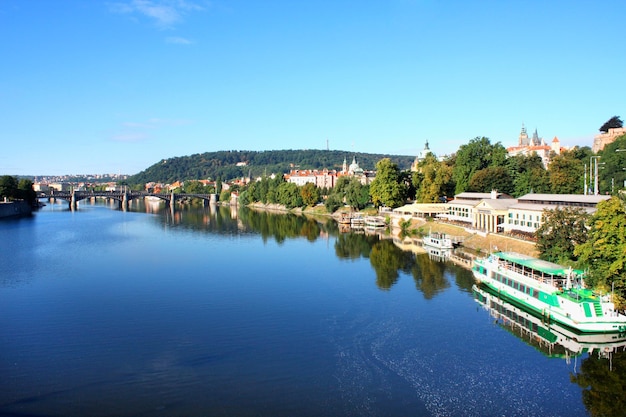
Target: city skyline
116 86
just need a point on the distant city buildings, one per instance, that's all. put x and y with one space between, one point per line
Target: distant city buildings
327 178
535 145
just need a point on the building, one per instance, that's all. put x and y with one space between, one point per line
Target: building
499 213
604 138
535 145
480 211
526 216
328 178
420 157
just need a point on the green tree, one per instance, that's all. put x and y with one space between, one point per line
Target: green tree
333 202
613 122
478 154
288 195
560 232
491 178
432 180
26 192
356 194
386 188
613 173
528 175
8 186
604 252
566 174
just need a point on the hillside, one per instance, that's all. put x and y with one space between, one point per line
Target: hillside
224 164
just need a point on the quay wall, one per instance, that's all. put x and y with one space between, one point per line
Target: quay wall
14 208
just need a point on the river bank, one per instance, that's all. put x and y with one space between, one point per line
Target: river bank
14 209
471 241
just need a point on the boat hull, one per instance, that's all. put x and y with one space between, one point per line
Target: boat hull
550 304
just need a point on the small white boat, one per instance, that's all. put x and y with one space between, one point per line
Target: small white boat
375 221
438 240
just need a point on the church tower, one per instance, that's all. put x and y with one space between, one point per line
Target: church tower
535 140
523 137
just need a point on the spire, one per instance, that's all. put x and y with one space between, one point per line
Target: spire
523 137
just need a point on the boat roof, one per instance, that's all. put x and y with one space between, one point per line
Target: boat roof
536 264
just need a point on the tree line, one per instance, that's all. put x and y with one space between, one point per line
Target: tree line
234 164
13 189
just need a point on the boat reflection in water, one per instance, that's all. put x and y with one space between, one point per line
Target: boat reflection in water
551 338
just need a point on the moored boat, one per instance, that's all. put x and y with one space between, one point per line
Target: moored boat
375 221
438 240
552 339
552 291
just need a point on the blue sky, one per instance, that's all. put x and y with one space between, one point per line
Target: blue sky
115 86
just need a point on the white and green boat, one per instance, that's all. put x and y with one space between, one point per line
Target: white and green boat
552 339
551 291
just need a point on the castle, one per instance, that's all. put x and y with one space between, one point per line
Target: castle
536 145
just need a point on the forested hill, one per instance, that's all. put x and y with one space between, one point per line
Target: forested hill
228 165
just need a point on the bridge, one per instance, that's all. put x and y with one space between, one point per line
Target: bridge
123 197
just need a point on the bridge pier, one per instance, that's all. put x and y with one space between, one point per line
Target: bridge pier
124 202
73 202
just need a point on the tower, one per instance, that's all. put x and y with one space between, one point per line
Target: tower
535 140
523 137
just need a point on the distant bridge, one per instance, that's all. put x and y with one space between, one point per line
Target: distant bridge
123 197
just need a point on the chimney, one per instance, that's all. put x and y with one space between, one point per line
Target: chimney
494 194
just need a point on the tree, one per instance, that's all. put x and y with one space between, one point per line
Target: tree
8 186
386 188
333 202
310 194
478 154
26 192
566 174
491 178
560 232
613 158
612 123
528 174
604 252
356 194
288 195
432 180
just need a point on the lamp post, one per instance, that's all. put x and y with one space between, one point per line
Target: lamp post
593 172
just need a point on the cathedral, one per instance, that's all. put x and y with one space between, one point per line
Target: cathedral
529 145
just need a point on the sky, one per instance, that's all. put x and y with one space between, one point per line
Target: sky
92 87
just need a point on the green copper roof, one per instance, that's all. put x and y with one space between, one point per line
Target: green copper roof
536 264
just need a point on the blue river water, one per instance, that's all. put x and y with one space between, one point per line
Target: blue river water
214 312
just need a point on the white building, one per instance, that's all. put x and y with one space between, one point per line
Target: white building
527 214
499 213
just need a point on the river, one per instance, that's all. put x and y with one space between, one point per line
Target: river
217 312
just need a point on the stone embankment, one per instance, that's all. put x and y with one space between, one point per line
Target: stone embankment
14 209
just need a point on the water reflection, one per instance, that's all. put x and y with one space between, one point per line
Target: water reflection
602 373
386 258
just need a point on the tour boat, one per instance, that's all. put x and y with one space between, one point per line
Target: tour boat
554 292
438 240
357 221
375 221
552 339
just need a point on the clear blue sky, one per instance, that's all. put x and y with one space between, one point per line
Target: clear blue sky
115 86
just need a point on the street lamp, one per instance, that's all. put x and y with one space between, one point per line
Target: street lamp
593 172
